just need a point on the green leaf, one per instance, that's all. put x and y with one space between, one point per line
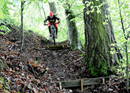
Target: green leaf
125 7
1 6
88 12
1 14
45 1
1 3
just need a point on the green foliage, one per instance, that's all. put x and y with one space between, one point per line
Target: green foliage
1 15
120 15
4 28
45 1
36 61
1 80
7 18
98 70
104 68
82 54
122 69
93 70
5 85
1 6
5 8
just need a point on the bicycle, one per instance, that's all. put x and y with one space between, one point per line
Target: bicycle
53 32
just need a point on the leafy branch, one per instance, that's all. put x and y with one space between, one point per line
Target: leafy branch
126 42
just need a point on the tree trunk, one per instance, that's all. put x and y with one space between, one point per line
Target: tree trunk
22 31
43 9
72 29
52 7
100 39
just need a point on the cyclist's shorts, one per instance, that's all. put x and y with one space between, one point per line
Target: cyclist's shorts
49 24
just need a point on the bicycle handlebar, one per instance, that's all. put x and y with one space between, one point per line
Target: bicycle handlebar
54 23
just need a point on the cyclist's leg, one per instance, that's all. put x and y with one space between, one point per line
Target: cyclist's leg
56 31
49 27
56 28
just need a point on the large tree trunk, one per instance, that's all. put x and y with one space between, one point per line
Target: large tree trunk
72 29
52 7
99 39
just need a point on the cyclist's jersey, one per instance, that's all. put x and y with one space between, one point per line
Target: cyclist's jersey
53 19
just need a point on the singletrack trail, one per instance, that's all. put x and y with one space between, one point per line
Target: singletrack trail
41 65
25 70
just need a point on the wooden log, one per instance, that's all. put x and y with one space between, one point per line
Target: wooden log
56 46
85 81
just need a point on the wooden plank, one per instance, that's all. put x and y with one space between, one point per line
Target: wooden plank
86 81
60 85
56 46
81 84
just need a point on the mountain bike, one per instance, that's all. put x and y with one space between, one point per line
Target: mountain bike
53 32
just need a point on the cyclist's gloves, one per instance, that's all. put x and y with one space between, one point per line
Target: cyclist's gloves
45 24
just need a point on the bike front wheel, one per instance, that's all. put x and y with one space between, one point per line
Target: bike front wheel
54 40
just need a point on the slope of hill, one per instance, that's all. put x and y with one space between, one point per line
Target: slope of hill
36 69
25 71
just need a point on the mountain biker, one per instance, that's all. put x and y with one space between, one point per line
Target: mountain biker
52 19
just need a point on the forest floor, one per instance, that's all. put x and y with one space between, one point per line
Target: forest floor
24 72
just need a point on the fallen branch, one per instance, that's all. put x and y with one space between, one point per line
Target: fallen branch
56 46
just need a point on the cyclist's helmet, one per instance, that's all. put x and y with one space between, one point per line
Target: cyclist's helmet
51 14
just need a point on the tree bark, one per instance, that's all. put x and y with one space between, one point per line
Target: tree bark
22 31
43 9
100 39
52 7
72 29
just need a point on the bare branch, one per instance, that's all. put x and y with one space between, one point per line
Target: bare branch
72 4
79 14
127 27
122 23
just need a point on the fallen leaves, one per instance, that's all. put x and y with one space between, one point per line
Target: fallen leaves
1 91
1 54
37 70
0 86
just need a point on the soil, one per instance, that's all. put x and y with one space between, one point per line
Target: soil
37 70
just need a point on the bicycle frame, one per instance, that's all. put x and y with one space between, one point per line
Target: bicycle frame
53 31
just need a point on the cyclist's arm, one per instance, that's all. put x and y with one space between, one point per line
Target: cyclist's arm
46 20
57 18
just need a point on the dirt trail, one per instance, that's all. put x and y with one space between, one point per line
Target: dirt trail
26 72
26 69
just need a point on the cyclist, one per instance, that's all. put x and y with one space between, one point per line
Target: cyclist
52 19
